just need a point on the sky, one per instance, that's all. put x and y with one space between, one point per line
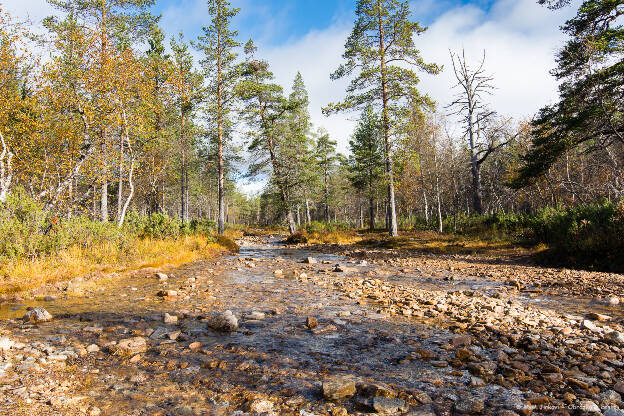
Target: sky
519 39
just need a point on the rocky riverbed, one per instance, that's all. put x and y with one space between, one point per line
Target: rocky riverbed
321 331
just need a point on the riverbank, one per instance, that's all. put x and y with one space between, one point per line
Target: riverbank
342 331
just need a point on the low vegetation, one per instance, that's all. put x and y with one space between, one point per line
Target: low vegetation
36 249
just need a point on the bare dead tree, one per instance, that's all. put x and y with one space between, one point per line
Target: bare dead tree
483 133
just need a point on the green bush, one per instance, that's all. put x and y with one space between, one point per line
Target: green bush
27 231
158 226
587 236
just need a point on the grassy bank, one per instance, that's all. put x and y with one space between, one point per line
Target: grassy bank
22 274
588 236
36 249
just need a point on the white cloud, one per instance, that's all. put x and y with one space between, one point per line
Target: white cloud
33 10
520 39
315 55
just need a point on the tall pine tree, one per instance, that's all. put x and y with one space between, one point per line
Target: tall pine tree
381 54
590 112
219 46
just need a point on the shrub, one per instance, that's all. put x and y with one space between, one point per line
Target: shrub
156 225
297 238
322 227
588 236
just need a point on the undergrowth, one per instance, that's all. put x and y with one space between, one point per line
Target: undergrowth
36 249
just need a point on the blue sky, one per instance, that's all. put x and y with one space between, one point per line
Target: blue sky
294 19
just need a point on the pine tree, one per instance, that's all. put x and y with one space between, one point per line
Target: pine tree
326 161
266 110
590 112
219 45
187 90
367 163
381 53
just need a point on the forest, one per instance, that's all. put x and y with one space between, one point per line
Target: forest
181 234
119 125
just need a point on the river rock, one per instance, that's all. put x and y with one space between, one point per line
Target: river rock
170 319
339 388
311 322
387 406
341 268
310 260
6 344
261 406
225 322
162 277
93 348
609 398
36 315
255 316
469 405
615 337
130 346
589 407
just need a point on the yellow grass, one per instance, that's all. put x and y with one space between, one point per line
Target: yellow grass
335 237
77 261
431 242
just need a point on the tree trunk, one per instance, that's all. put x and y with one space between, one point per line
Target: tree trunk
361 216
184 205
393 227
307 213
104 201
120 177
440 225
6 170
326 197
371 214
477 195
124 210
292 226
424 190
221 222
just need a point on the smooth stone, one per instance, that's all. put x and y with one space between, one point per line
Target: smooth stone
339 388
385 406
36 315
225 322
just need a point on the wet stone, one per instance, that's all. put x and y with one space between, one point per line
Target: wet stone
387 406
224 322
339 388
36 315
311 322
469 406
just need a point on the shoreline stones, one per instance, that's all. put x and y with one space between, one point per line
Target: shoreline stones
339 388
224 322
36 315
130 346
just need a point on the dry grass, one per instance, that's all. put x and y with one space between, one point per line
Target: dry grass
431 242
335 237
16 276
